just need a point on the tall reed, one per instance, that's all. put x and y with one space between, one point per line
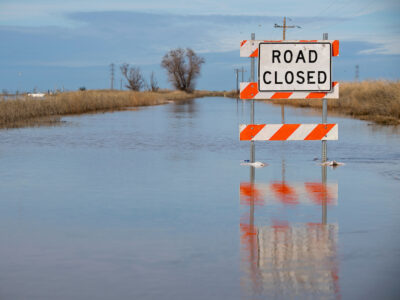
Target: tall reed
377 101
27 111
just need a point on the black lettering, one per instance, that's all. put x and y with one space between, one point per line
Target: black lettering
310 75
291 56
265 73
300 56
319 77
312 59
291 79
300 74
276 78
276 54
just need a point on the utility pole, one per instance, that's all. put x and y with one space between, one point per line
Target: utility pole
237 71
120 84
237 79
112 75
284 27
357 75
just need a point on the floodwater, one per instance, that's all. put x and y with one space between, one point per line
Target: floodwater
154 204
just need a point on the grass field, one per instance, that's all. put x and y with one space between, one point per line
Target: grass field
26 111
377 101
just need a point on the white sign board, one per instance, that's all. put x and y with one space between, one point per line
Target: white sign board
294 66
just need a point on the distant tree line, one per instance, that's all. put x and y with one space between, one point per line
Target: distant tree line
183 67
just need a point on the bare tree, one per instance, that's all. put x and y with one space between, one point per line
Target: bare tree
153 83
183 68
133 76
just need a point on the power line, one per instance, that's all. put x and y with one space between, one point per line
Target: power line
237 71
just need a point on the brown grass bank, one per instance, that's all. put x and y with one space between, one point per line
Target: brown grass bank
27 111
377 101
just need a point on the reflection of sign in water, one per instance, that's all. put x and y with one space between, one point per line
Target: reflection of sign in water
289 193
285 261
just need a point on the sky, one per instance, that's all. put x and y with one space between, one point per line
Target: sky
54 44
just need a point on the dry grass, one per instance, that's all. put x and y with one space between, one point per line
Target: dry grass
29 112
377 101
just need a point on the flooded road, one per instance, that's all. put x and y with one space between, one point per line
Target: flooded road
154 204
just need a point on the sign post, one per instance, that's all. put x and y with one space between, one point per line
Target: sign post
252 74
324 115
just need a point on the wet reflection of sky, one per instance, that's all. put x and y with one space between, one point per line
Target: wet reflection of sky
154 204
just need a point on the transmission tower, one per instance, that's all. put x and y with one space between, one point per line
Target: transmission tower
112 75
357 74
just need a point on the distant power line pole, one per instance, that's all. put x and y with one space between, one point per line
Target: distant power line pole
237 79
357 74
237 71
284 27
112 75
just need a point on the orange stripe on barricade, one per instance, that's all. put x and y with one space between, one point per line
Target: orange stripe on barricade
320 95
308 41
250 91
335 48
281 95
316 95
255 53
250 131
319 132
284 132
243 42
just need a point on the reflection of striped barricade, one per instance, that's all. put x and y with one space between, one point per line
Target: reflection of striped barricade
288 193
288 132
291 260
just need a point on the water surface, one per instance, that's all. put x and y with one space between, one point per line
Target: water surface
153 204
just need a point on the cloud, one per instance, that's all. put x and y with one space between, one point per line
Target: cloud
95 39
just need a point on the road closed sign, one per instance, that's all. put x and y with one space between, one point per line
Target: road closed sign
294 66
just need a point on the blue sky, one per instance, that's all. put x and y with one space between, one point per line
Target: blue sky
51 44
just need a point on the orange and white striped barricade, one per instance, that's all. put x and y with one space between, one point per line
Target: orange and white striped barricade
288 132
249 90
249 48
